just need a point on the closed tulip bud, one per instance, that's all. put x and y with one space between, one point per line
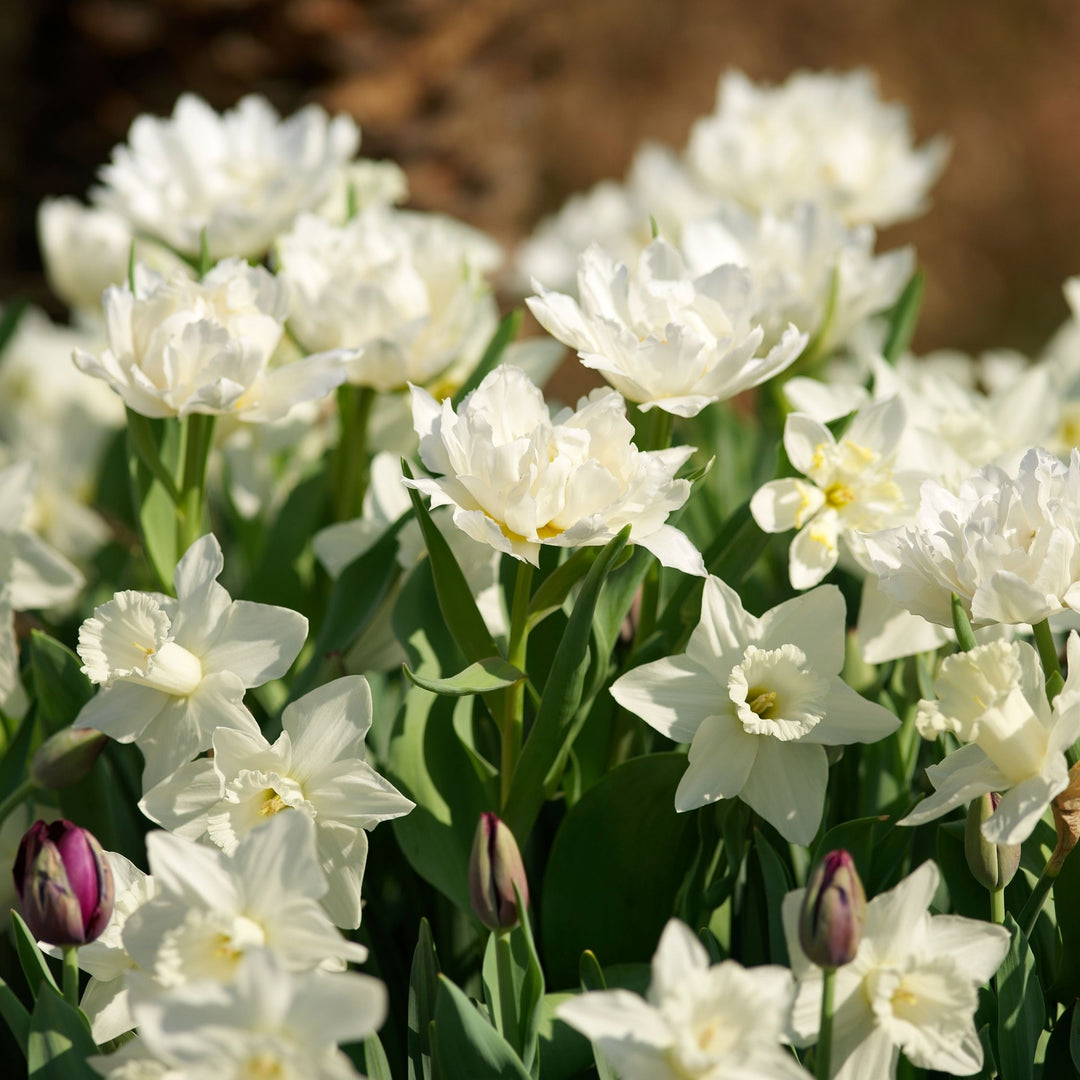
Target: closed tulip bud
64 883
495 867
66 757
833 910
992 865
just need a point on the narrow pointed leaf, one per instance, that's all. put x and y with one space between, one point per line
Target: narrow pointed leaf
468 1047
15 1015
423 985
494 673
1020 1008
33 962
904 318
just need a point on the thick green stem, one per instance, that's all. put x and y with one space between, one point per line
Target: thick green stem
19 795
823 1053
514 696
350 469
1048 656
198 437
70 980
997 906
507 997
965 636
660 438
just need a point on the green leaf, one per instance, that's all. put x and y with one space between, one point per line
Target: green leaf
355 598
154 493
33 962
904 318
1058 1062
144 437
1074 1038
423 984
60 686
518 1018
376 1067
59 1041
548 742
13 763
9 321
468 1047
615 867
555 588
15 1015
456 600
965 636
494 673
590 974
1020 1008
777 885
505 332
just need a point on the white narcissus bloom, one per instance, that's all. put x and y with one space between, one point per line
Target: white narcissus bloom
403 293
809 269
315 767
664 336
758 700
211 909
267 1023
723 1022
993 699
1008 547
820 137
171 671
516 477
851 487
242 176
178 346
913 985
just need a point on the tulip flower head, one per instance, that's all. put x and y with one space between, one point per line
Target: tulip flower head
833 911
494 869
64 883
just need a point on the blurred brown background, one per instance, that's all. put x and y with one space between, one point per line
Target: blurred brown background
499 109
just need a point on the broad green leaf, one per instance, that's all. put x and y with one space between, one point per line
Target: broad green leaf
60 687
423 984
505 333
456 601
903 318
615 868
376 1067
152 497
14 1015
59 1041
1020 1008
1058 1062
494 673
548 741
34 967
468 1047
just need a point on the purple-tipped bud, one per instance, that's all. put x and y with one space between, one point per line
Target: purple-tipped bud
64 883
66 757
495 867
992 865
833 910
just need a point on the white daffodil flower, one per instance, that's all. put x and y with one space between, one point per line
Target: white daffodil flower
1009 548
913 985
316 767
241 176
809 268
993 699
211 908
517 477
664 336
268 1022
171 671
724 1022
852 486
178 346
758 700
819 137
402 292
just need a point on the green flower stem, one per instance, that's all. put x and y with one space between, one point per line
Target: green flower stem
965 636
1048 656
19 795
660 436
507 998
823 1054
997 906
514 696
197 438
350 468
70 979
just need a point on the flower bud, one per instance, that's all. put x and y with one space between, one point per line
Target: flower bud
495 867
64 883
992 865
833 910
66 757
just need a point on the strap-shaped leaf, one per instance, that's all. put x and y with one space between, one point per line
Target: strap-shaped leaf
494 673
548 743
1020 1008
59 1041
423 985
904 318
468 1047
33 963
15 1015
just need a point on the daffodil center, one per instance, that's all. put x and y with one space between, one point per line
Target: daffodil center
272 803
775 692
838 495
762 702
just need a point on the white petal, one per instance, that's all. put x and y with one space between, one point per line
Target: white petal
786 787
785 504
850 718
724 631
722 756
965 774
977 947
802 436
123 711
815 622
106 1007
328 724
257 642
673 695
1022 806
180 802
678 953
813 552
894 919
615 1016
674 550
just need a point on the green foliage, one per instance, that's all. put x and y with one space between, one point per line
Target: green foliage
59 1041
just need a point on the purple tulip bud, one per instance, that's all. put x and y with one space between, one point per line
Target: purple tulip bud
992 865
495 867
66 757
64 883
833 910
